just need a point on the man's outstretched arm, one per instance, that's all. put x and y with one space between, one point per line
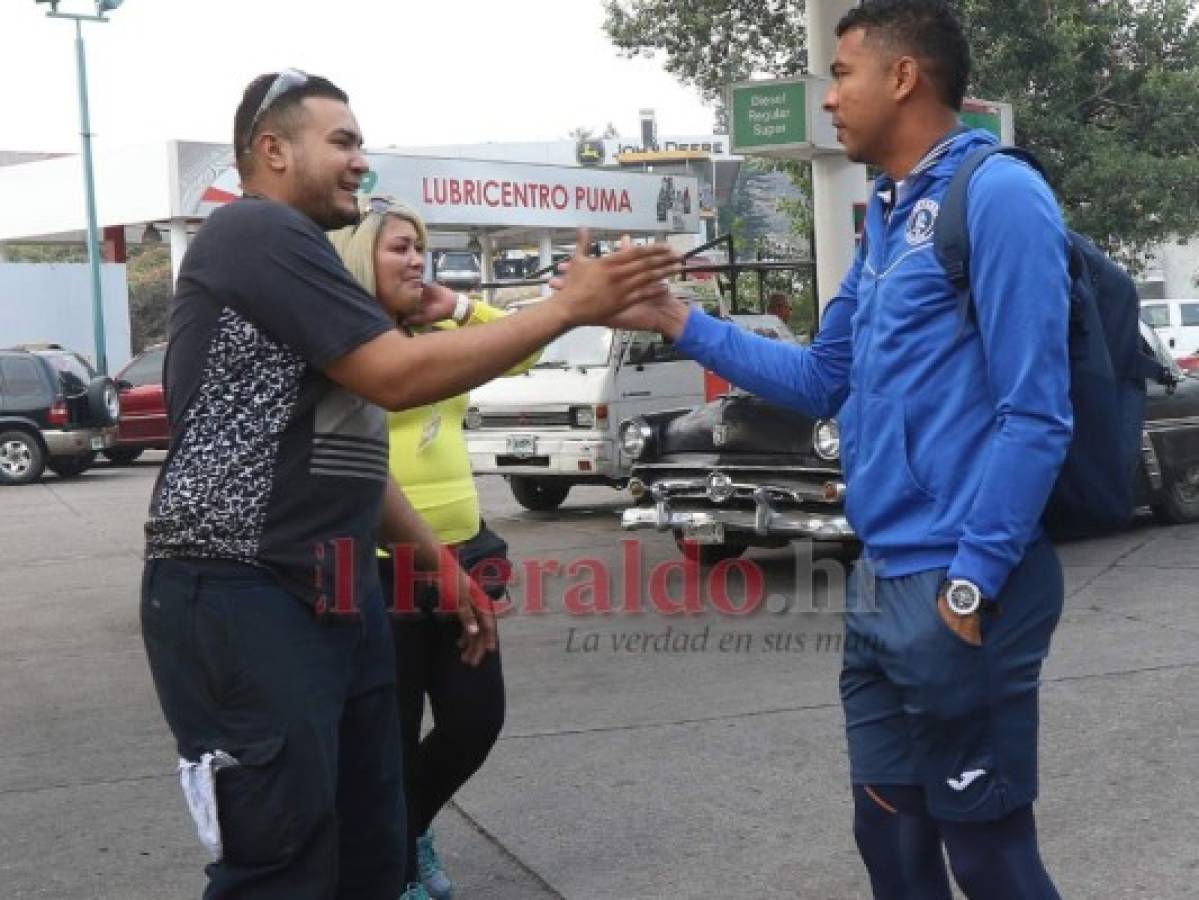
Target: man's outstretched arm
396 371
813 380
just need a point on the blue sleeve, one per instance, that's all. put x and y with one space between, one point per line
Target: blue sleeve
1019 279
813 380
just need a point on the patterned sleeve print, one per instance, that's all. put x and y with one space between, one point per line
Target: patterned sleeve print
214 495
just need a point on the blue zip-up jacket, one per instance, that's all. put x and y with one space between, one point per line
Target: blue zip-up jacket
952 432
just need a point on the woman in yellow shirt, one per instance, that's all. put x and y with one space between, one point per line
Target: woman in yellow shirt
428 457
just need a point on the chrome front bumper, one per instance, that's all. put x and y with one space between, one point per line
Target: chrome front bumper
765 520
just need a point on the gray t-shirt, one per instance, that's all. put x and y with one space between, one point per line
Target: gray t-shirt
271 463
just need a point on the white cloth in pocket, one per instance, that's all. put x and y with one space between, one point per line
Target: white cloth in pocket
199 789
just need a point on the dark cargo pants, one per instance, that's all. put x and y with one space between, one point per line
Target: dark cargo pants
313 807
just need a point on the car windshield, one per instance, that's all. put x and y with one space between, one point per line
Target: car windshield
71 363
589 345
145 369
458 262
1156 314
75 371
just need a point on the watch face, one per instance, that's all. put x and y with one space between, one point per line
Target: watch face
963 598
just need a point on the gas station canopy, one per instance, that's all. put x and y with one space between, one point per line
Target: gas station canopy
504 204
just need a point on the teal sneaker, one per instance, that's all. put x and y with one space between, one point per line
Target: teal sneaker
415 892
435 880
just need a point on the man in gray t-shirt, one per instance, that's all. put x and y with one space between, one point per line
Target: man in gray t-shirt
261 612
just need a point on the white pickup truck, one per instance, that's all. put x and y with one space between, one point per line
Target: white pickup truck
557 425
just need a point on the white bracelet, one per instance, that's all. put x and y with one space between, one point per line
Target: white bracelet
462 309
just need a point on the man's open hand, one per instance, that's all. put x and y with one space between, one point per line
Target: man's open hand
594 290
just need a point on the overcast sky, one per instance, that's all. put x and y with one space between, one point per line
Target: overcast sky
446 71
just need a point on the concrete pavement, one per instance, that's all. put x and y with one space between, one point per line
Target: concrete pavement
627 770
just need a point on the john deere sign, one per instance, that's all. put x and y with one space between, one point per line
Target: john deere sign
781 118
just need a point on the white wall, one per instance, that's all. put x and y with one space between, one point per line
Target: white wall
53 302
1180 268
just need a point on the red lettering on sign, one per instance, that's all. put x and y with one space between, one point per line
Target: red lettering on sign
488 195
561 198
455 191
468 193
625 205
581 196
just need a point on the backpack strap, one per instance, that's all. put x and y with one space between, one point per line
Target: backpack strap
951 235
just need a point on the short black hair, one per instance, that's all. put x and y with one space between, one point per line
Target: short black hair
926 29
284 115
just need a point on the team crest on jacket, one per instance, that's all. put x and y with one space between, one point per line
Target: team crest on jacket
921 222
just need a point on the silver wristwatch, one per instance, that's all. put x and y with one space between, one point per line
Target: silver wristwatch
963 597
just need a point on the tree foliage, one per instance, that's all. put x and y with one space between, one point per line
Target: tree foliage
585 133
148 271
712 43
1105 92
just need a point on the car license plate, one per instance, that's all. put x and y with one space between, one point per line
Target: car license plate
705 533
522 445
97 443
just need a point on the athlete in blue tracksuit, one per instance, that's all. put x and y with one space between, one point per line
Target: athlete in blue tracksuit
952 434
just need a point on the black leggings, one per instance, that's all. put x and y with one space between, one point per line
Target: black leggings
901 846
468 712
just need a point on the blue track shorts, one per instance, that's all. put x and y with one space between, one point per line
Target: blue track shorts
924 707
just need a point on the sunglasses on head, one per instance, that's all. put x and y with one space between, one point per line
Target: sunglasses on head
380 205
287 80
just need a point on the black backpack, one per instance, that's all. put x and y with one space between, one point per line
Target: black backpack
1095 488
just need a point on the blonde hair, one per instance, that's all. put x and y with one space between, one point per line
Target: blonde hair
356 244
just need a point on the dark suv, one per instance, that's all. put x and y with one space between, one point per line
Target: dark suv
55 412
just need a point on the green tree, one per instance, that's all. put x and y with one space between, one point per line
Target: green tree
1105 92
712 43
148 272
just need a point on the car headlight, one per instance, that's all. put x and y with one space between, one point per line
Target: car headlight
826 439
635 437
473 418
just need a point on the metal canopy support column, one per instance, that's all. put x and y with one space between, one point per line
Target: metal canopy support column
837 183
545 248
178 232
487 264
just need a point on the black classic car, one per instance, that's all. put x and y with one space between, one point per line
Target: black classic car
739 472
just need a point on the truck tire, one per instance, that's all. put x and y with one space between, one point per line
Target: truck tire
103 402
72 466
1179 502
538 494
22 459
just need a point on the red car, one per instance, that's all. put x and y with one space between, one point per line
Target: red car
143 422
1189 364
